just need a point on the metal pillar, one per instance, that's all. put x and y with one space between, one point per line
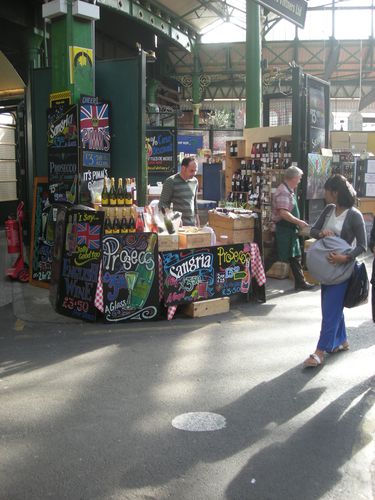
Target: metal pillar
34 45
253 70
151 89
196 97
72 55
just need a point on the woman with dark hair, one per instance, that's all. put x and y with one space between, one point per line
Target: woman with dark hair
339 218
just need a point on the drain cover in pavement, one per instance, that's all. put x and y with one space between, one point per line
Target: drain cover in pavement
199 421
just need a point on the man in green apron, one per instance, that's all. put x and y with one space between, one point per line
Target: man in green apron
286 216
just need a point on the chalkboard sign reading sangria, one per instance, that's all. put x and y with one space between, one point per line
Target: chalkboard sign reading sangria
205 273
130 277
80 263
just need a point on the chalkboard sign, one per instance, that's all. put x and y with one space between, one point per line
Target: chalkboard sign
161 151
205 273
317 119
77 257
95 143
62 151
41 243
130 277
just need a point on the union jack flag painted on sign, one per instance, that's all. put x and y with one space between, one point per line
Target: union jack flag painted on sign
94 124
88 235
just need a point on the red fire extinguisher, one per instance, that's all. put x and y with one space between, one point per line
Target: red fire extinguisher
13 228
12 234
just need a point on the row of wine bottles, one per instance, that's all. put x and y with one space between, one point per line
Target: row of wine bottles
127 224
119 195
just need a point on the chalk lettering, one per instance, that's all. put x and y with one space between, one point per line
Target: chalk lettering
80 291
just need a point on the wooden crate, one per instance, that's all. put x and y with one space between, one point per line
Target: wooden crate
195 239
279 270
233 236
216 220
167 242
207 307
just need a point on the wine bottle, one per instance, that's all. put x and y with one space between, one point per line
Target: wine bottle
120 194
107 223
124 223
167 222
133 186
131 225
145 277
105 194
128 194
112 194
140 225
116 224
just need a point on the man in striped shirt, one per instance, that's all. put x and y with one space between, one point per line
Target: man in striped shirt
181 189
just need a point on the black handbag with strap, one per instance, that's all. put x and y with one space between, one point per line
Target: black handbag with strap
358 288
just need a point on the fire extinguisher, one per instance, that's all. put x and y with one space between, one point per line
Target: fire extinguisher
12 234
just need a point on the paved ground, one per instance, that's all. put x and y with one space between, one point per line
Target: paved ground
86 411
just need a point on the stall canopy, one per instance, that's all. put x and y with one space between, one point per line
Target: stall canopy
11 84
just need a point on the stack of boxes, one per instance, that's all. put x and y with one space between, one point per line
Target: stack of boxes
231 228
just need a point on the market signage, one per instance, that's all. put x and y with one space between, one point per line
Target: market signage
130 277
94 121
205 273
77 258
161 154
41 235
292 10
62 151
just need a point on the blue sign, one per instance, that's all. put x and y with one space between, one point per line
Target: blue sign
189 144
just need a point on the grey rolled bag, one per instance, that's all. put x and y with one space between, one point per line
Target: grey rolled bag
322 270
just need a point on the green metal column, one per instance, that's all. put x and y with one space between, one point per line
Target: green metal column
72 55
34 43
196 97
151 89
253 70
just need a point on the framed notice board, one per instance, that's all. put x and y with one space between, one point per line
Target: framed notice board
41 242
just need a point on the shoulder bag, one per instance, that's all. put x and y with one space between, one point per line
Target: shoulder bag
358 288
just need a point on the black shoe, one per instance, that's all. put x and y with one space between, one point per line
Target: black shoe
304 286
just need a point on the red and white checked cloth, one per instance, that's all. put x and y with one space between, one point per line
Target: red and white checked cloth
257 269
99 300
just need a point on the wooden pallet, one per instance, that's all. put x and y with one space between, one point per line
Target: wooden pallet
207 307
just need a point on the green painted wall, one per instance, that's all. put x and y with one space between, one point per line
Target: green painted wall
123 83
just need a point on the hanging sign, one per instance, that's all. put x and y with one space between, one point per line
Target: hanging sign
292 10
160 149
130 277
205 273
94 121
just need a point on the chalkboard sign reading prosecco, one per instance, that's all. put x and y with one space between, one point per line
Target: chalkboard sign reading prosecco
205 273
41 244
130 277
62 151
80 263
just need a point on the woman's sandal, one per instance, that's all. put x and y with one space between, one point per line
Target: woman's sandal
341 348
312 361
